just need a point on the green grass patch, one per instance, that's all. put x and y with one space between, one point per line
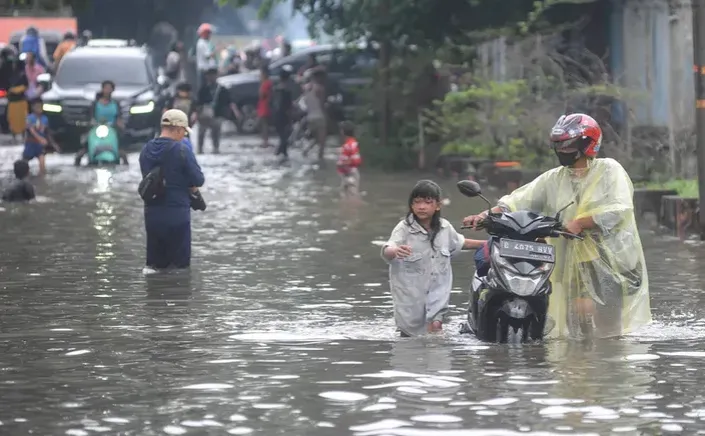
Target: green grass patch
685 188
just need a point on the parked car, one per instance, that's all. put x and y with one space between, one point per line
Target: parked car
71 92
348 69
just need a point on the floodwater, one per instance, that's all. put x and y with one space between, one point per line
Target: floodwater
284 324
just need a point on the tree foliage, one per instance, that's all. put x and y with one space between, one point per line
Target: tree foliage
510 119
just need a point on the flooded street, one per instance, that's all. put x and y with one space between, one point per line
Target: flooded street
284 325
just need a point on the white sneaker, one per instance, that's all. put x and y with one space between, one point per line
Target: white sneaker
149 271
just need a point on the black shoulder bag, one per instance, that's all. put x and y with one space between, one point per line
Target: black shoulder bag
153 185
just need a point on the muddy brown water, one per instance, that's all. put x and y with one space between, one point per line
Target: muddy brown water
284 325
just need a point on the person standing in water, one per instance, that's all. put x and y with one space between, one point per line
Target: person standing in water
418 253
315 99
205 53
167 218
600 285
282 110
214 107
264 111
37 139
349 160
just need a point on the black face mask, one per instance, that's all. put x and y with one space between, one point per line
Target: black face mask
568 159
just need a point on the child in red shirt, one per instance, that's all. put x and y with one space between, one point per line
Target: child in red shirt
349 161
263 110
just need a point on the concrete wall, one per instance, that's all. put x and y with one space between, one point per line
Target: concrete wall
652 55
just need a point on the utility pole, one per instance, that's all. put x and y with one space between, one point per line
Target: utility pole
699 69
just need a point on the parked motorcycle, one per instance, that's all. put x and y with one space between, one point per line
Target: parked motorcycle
510 303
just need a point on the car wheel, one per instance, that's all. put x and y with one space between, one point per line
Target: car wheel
249 123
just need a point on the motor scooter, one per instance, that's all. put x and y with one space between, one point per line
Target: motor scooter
510 303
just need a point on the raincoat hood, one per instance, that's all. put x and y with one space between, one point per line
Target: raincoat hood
607 269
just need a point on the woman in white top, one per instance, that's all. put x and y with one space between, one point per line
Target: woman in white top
205 52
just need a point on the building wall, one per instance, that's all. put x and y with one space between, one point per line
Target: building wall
652 56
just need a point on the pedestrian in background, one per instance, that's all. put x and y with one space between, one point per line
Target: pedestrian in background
33 43
315 100
205 53
174 63
214 106
283 110
263 105
64 47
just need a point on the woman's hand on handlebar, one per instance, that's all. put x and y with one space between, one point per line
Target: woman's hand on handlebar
573 227
570 230
474 220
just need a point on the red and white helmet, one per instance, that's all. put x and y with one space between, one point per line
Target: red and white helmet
204 28
577 132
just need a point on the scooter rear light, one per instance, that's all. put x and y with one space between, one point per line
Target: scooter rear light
3 93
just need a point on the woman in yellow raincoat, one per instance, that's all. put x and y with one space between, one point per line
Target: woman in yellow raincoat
600 285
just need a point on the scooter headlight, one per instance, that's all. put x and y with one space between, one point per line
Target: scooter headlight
102 131
521 285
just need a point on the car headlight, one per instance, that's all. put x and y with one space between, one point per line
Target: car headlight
142 109
102 131
50 107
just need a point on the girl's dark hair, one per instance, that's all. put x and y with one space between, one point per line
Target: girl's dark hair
108 82
426 189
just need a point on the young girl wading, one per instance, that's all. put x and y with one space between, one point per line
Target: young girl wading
418 253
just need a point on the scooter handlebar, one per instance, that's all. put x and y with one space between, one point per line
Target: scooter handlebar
568 235
555 233
478 226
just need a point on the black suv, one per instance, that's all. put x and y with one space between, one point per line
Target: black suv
348 68
67 103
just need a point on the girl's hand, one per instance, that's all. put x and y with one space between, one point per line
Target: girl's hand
402 251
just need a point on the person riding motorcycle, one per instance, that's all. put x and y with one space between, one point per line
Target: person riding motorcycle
600 284
105 110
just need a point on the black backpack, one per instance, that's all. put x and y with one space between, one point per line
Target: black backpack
153 185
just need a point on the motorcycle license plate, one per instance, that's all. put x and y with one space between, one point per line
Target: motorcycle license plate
527 250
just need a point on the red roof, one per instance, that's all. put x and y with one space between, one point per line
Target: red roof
10 25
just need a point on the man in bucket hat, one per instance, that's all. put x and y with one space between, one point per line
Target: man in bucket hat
168 217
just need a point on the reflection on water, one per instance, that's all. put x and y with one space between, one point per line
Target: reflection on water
284 325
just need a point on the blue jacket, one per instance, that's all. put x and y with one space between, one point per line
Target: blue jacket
181 171
30 43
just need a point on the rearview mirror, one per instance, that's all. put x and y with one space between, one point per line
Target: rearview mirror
44 78
469 188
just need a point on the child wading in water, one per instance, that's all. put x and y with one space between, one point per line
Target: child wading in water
418 253
37 139
21 190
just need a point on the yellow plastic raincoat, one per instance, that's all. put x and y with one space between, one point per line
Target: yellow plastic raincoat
605 272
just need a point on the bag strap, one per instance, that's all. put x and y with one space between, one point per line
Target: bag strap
216 94
162 157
